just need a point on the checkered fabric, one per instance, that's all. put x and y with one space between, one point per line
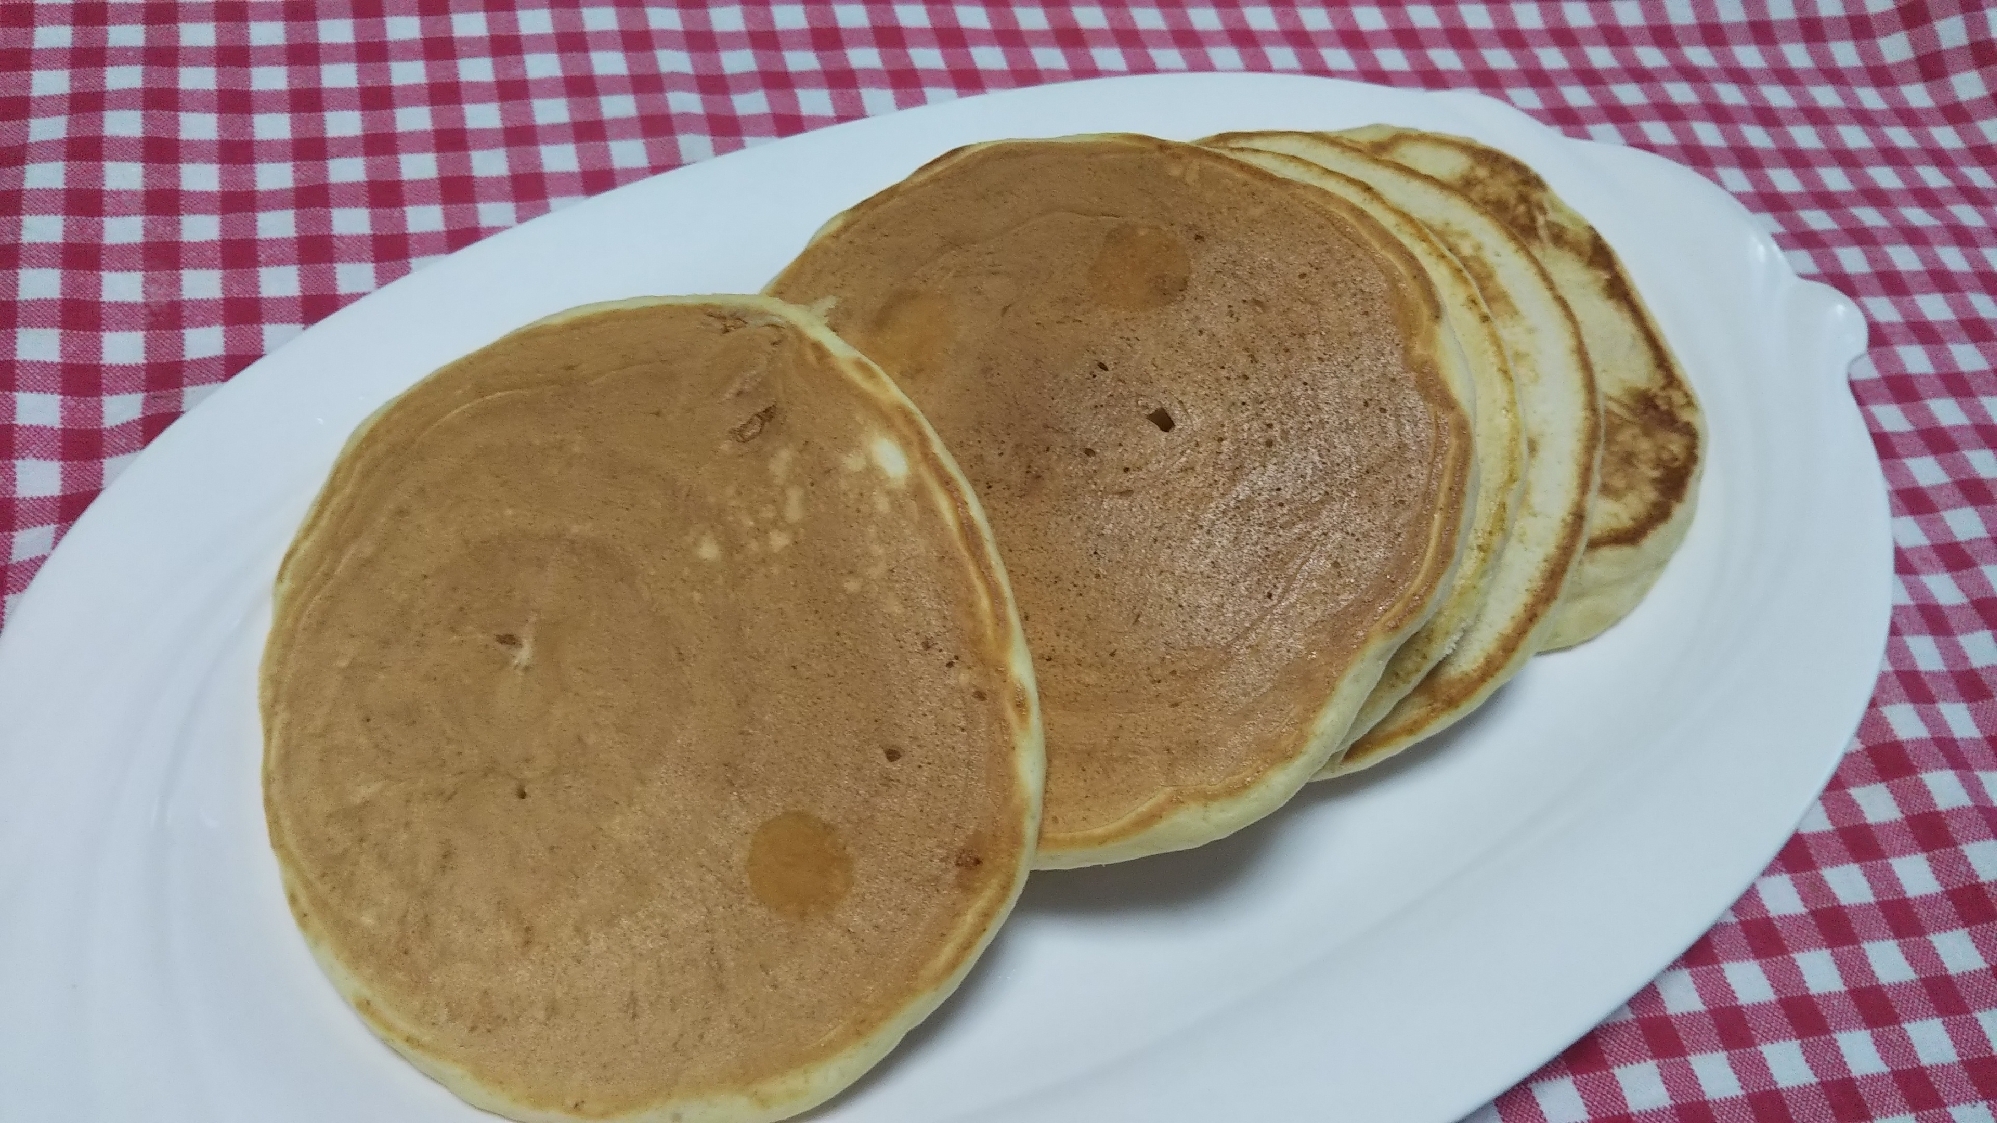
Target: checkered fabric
184 186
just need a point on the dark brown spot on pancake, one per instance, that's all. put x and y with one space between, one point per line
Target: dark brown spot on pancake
1650 449
1140 267
752 428
1650 441
969 862
799 866
1162 418
893 755
506 639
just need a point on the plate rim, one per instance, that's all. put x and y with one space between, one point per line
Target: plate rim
33 617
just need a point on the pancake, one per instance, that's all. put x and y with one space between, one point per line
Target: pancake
1500 442
1561 419
1205 407
649 731
1654 434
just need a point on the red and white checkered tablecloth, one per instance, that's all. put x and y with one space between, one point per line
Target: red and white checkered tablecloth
184 186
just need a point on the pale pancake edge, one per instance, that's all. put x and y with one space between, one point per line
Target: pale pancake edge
1654 431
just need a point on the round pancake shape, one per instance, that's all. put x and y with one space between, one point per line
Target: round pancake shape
1500 441
1205 409
649 730
1561 417
1654 432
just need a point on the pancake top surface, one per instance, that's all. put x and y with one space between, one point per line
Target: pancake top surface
647 722
1201 405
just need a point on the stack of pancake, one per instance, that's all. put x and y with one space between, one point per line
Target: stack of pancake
654 699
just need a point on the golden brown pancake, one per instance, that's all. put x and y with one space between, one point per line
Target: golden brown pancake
1500 441
1559 412
1204 408
649 732
1653 433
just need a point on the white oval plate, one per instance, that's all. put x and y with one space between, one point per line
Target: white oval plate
1402 946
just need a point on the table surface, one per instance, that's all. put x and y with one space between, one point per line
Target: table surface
183 187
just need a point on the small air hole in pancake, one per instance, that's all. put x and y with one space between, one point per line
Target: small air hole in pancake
1162 418
892 755
519 791
1088 452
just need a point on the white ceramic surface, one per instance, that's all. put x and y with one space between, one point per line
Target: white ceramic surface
1399 947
